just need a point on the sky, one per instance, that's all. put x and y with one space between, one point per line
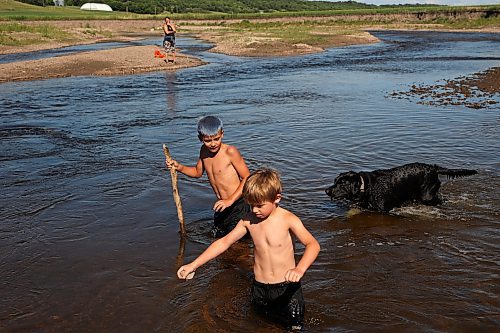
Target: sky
435 2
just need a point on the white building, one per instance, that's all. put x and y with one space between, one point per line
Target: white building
96 6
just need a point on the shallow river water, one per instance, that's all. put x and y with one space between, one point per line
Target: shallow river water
89 234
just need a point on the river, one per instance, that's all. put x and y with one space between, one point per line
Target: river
89 236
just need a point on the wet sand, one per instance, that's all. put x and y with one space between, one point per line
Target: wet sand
140 59
119 61
476 91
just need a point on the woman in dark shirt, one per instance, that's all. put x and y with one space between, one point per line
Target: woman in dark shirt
169 40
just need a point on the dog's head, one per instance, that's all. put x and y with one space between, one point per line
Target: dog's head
345 187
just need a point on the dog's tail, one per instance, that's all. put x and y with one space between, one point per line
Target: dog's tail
454 173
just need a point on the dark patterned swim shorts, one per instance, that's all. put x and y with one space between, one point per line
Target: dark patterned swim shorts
169 43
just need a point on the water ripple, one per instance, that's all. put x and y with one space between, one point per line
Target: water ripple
89 232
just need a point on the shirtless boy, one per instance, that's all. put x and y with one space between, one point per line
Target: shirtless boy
276 289
226 170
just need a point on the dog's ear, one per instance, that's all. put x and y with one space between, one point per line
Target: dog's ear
351 174
336 190
353 183
344 176
346 186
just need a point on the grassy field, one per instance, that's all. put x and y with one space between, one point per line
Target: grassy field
13 10
311 33
17 11
18 34
333 13
310 30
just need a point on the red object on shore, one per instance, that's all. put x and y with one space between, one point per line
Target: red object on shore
158 54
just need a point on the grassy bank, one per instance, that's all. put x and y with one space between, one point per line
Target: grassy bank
19 34
267 34
22 34
333 13
17 11
322 31
13 10
22 24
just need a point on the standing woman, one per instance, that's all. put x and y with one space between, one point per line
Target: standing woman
169 39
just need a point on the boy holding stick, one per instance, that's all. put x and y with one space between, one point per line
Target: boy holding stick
276 289
226 170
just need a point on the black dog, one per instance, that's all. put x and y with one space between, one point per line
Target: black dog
382 190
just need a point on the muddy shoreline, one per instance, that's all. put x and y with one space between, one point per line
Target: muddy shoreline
141 59
475 91
120 61
133 60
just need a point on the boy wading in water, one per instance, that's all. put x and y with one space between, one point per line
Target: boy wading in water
276 289
226 170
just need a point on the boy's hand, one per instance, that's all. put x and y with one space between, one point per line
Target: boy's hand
172 164
185 272
220 205
293 275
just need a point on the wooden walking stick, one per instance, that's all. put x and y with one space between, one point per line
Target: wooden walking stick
175 191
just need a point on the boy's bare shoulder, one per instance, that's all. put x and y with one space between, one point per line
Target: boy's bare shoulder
232 151
287 215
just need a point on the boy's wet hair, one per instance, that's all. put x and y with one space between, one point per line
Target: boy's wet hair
209 126
261 186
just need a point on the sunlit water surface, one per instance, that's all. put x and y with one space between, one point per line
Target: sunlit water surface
89 234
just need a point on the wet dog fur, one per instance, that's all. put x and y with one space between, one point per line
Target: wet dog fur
385 189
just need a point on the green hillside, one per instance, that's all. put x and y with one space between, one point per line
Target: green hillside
209 9
207 6
14 10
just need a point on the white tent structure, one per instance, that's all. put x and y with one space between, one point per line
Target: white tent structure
96 6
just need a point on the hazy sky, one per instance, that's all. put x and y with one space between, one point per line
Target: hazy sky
436 2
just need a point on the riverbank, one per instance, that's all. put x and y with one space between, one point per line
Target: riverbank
476 91
140 59
120 61
257 38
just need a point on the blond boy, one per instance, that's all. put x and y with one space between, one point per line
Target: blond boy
276 289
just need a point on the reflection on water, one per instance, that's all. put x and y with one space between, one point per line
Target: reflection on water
89 233
171 77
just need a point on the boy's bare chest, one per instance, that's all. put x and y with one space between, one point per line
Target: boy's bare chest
217 165
268 236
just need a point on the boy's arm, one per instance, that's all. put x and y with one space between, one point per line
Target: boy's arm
242 170
215 249
193 171
310 253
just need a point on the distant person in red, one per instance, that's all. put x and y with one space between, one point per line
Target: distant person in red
169 40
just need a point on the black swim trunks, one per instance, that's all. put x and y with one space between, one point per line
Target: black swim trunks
226 220
281 301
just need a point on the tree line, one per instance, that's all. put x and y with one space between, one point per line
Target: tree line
218 6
